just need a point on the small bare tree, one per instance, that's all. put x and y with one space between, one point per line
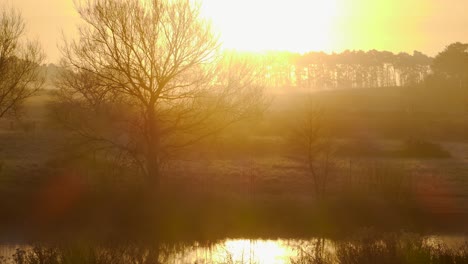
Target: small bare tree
145 78
310 140
19 63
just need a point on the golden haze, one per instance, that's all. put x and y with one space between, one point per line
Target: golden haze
294 25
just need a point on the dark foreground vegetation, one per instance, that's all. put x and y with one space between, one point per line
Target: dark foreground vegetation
369 247
365 247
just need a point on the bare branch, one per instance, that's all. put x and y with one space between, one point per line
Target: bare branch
19 63
151 72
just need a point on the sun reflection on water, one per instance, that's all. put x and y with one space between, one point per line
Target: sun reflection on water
240 251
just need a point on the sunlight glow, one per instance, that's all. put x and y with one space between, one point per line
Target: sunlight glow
293 25
296 25
251 251
241 251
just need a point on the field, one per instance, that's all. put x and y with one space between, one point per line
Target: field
247 181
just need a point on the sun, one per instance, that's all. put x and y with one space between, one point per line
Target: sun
260 25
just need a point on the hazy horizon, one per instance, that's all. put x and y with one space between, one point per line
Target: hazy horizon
296 26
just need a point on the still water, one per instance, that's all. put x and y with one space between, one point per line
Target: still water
228 251
242 251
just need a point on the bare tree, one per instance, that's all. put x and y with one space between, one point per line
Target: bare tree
19 63
146 78
310 140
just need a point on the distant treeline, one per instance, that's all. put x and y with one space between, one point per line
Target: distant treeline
349 69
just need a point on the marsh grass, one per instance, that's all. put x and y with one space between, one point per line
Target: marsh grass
369 247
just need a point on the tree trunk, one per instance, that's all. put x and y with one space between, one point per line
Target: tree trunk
153 153
153 196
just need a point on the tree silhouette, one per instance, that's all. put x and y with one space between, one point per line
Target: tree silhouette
311 145
19 63
452 64
145 79
349 69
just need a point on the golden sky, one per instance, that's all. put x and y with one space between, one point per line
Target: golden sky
295 25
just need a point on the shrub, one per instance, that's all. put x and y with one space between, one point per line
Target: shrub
415 148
